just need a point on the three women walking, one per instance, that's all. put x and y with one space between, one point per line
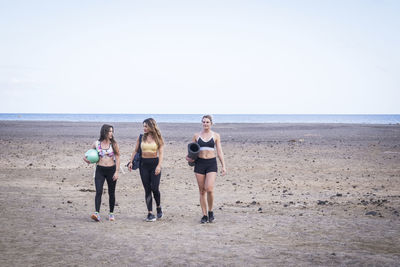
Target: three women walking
150 144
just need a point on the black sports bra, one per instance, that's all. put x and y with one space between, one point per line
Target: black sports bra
209 145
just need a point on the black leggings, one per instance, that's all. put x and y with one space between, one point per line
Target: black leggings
151 182
105 173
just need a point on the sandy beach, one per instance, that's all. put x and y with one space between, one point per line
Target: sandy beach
295 194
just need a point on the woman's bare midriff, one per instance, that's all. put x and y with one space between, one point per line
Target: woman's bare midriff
106 162
206 154
149 155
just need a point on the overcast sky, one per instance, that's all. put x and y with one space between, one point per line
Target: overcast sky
272 57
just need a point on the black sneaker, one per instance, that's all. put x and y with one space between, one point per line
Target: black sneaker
204 219
150 217
211 216
159 213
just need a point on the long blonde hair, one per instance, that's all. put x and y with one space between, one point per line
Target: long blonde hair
154 130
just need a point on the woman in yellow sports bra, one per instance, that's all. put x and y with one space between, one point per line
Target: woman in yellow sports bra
151 145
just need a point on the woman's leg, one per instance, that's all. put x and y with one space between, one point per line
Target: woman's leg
155 184
145 176
200 181
111 191
99 182
209 188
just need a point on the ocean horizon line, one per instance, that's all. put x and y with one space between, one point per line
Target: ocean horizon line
196 118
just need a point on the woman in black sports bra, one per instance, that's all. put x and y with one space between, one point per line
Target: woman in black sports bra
205 168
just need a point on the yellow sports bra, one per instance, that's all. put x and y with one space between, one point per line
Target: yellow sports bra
149 147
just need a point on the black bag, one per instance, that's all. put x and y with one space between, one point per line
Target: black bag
138 155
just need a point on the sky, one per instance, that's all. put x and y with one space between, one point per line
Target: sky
199 57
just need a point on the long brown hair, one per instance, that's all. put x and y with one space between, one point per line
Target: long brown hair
103 135
154 131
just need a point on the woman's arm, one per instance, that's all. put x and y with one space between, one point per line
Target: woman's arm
220 153
160 160
117 162
194 139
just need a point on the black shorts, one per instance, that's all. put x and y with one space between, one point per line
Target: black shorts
204 166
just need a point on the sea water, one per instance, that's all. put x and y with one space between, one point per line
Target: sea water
217 118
